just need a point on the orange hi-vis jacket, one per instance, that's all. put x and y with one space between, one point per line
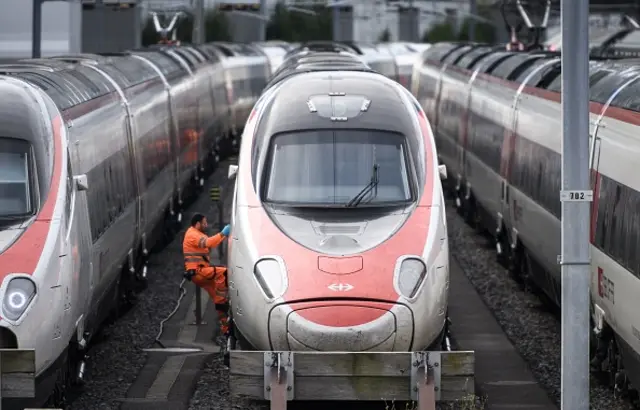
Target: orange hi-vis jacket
196 248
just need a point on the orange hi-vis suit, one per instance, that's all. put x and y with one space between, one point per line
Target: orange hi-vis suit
196 248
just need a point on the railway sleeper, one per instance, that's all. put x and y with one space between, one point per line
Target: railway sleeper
283 376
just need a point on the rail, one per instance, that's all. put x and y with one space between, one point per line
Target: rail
422 377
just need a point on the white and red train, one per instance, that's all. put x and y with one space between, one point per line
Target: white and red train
97 154
339 238
496 116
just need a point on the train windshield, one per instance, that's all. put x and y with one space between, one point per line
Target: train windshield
15 189
338 168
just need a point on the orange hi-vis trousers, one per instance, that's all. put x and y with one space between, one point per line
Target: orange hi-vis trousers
213 280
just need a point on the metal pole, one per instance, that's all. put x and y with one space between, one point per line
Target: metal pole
198 23
36 29
576 198
198 310
336 23
473 9
264 22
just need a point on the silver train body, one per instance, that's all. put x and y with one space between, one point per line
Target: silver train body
99 154
497 120
312 275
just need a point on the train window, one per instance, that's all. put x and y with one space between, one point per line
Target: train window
16 198
629 97
468 59
536 172
604 89
348 160
508 65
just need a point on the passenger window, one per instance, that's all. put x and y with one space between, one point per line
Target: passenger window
629 97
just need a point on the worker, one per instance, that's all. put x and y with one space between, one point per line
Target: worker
196 248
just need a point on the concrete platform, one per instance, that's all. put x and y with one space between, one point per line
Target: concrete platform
168 379
502 376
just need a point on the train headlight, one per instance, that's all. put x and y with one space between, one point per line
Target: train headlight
409 276
19 294
271 276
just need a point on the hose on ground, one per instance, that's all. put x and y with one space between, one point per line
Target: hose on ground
181 293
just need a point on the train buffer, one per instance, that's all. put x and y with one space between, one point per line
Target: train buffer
17 370
421 377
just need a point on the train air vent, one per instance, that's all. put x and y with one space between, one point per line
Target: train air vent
338 229
338 242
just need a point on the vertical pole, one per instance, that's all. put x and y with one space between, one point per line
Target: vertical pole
473 10
264 13
36 29
198 311
336 22
198 36
575 256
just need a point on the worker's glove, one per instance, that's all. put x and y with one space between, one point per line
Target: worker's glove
226 230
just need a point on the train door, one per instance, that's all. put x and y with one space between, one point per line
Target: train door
506 210
87 280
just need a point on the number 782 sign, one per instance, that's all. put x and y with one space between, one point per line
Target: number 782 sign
576 196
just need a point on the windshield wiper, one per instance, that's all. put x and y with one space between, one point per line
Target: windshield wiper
355 201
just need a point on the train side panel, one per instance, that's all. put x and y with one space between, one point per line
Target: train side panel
615 262
490 119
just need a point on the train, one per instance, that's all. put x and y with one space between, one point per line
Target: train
339 239
99 156
496 116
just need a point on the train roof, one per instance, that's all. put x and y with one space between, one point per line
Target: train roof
317 46
312 100
320 57
316 67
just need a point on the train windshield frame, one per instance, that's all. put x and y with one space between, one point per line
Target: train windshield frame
333 167
17 183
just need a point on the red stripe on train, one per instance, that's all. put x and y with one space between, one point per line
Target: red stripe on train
24 254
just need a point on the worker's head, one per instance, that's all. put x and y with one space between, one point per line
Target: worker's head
199 222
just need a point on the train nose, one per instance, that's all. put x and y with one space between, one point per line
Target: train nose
348 326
